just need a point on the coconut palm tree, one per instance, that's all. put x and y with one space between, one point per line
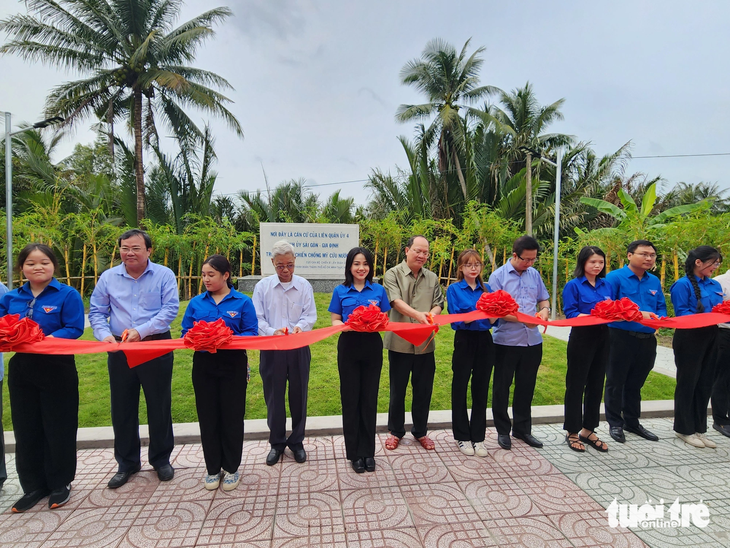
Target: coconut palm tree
450 81
136 65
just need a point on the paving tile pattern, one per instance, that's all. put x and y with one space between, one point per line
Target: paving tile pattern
552 497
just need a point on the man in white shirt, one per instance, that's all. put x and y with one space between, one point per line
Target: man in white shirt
285 304
721 387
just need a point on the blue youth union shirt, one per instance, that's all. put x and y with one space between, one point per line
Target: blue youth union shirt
346 299
684 298
580 297
646 292
460 298
236 309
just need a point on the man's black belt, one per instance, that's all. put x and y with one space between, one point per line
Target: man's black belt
639 334
155 337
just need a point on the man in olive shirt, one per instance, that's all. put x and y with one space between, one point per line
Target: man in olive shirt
414 293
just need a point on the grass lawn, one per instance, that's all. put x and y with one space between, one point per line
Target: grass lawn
324 395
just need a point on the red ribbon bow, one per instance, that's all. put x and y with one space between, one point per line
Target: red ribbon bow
208 336
497 304
367 319
621 309
14 331
722 308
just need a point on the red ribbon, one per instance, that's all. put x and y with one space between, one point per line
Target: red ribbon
25 335
14 331
208 336
368 319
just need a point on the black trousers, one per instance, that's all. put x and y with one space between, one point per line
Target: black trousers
630 360
44 402
695 354
155 378
721 386
359 361
420 369
220 382
521 364
473 358
588 349
3 469
276 368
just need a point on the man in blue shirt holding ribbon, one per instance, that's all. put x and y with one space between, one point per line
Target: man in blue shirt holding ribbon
632 345
138 299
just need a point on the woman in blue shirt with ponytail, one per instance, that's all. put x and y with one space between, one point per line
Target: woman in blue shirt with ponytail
587 350
695 349
44 389
220 379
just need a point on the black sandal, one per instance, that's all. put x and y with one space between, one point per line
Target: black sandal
575 443
596 443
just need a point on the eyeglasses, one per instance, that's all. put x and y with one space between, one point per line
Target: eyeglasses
421 253
473 265
646 255
29 312
131 249
281 267
526 260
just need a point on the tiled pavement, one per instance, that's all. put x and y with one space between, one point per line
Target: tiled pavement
551 497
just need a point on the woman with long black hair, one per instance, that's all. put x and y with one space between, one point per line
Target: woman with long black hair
44 389
359 358
220 379
587 350
695 349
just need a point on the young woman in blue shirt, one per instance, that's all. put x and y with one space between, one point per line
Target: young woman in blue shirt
220 379
695 349
473 355
587 350
44 389
359 358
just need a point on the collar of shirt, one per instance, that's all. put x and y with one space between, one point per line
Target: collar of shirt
408 272
232 294
123 271
368 285
25 288
599 282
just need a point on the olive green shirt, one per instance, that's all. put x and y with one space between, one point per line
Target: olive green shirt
422 294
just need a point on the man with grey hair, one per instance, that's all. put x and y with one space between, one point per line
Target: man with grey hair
284 304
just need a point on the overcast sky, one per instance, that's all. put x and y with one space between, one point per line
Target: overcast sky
316 82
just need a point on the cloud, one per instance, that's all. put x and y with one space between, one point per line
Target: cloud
282 19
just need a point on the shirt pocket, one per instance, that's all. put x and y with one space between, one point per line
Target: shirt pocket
150 301
294 312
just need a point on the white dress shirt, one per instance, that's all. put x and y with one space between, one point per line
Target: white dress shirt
277 307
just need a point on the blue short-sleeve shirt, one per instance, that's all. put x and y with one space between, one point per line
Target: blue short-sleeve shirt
580 297
346 299
684 298
461 298
646 292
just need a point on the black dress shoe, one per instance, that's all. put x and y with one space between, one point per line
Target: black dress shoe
300 455
504 441
273 457
529 439
370 464
724 429
617 433
165 472
643 432
358 465
29 500
120 478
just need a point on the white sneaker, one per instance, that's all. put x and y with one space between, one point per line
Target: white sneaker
465 447
212 481
692 440
480 450
707 441
230 481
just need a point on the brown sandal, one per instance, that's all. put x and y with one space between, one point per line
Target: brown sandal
594 442
575 443
392 442
427 443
